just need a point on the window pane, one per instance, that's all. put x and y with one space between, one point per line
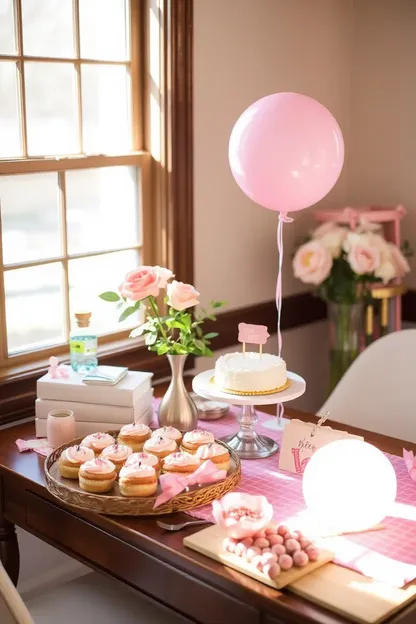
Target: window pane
34 307
48 28
104 27
102 209
30 217
51 106
10 144
7 31
106 109
88 277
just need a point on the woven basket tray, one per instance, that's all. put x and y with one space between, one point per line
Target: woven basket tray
113 504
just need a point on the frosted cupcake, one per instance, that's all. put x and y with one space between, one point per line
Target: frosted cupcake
169 432
71 459
97 475
160 446
148 459
134 435
217 453
137 480
118 454
180 463
192 440
98 442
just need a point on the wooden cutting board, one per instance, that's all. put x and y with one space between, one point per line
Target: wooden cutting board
209 542
356 597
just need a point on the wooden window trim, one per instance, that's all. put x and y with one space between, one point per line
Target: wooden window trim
169 212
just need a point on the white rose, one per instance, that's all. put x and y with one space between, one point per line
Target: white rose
331 237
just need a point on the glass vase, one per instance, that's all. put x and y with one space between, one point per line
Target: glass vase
177 409
345 333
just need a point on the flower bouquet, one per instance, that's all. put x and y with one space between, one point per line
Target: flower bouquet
342 263
175 334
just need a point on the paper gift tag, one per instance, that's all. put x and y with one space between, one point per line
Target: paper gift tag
301 440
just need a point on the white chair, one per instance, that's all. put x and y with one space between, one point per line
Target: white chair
92 598
378 391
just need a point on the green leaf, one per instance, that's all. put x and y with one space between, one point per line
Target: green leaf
217 304
200 344
109 295
126 313
150 339
211 335
162 349
172 323
208 352
119 305
179 349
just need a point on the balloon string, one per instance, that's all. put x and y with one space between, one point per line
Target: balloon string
283 218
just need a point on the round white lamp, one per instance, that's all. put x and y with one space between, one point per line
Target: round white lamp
349 485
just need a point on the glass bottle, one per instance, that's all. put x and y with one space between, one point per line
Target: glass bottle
83 345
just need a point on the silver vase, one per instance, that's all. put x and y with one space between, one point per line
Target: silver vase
177 409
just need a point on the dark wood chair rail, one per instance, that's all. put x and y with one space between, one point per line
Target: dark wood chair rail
137 552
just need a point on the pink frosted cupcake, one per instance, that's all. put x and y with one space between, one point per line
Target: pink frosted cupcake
216 453
97 475
192 440
118 454
181 463
134 436
98 441
148 459
71 459
169 432
160 446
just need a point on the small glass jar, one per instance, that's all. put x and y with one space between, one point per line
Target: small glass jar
60 427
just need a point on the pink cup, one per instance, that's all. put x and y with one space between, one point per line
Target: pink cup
60 427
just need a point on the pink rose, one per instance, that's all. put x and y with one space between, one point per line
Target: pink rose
364 258
231 510
164 275
140 284
182 296
312 263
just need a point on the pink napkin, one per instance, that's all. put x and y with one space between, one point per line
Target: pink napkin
40 446
410 461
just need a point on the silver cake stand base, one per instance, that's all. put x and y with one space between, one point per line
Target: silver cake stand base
246 442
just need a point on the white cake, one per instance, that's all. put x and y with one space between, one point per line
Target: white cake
250 372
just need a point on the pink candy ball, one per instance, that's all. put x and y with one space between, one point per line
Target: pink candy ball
252 552
278 549
271 530
292 545
272 570
260 534
285 562
313 553
256 562
229 544
300 558
240 550
304 543
275 539
248 541
262 542
268 558
266 550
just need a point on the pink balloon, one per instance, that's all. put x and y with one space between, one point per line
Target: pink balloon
286 151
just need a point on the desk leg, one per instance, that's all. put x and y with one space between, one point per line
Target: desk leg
9 549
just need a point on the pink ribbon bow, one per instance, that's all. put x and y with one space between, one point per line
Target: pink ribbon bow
55 371
410 461
173 484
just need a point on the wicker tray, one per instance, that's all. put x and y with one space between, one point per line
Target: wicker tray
113 504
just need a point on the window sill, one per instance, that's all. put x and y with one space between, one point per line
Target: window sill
18 383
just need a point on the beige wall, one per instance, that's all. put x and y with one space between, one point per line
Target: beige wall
243 50
383 123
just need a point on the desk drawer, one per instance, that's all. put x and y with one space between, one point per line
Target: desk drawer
134 566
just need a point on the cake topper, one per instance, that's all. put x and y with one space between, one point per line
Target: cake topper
253 334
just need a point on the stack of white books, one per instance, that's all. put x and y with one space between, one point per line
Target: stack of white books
105 400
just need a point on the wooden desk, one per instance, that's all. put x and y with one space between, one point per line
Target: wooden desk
138 553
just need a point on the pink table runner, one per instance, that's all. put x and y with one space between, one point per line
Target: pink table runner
388 555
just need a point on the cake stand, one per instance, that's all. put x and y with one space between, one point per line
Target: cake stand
246 442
